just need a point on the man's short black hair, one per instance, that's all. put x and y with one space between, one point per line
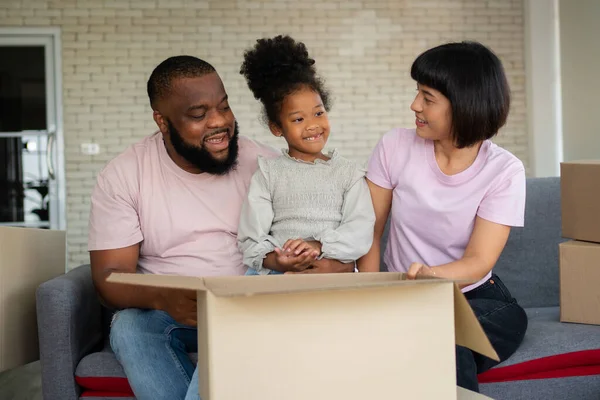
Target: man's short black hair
472 77
160 80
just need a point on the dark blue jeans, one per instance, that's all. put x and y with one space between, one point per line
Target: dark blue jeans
504 322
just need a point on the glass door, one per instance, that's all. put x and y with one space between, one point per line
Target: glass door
31 171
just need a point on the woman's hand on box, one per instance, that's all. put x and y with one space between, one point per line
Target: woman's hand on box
419 270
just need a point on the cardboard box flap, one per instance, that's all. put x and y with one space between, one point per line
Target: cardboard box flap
464 394
468 331
166 281
231 286
278 284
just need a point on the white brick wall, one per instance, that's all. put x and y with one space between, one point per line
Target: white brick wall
363 49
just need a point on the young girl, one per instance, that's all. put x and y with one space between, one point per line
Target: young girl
453 194
304 207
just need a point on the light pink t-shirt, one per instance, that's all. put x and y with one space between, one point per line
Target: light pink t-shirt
187 223
433 214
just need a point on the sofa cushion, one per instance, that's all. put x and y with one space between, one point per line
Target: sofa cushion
579 387
550 349
101 372
547 336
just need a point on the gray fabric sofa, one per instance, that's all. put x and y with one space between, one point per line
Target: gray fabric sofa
529 268
73 326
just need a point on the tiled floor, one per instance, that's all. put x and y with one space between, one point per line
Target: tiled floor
23 383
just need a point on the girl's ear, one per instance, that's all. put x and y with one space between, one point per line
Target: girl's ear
275 130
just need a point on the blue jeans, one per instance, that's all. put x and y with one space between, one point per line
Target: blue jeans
503 321
153 350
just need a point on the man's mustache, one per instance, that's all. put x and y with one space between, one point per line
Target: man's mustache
215 133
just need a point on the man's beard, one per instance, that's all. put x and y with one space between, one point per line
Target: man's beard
201 158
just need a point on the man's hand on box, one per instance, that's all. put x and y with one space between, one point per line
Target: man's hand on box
326 266
180 304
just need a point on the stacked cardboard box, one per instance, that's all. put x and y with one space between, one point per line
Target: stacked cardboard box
580 258
28 257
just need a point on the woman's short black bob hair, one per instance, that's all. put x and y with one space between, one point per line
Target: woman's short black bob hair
472 77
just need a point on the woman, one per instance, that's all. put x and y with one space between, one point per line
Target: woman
453 194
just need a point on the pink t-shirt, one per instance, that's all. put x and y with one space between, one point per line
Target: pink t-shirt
186 223
433 214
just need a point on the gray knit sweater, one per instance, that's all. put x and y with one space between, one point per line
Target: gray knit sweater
327 201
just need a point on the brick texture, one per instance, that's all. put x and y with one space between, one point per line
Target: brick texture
363 49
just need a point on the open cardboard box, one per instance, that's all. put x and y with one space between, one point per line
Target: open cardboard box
28 257
329 336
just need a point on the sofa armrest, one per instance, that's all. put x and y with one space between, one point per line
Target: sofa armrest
69 326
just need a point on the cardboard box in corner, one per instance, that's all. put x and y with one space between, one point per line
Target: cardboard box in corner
579 282
331 336
580 200
28 257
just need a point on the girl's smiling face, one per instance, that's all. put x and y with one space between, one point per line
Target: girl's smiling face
303 124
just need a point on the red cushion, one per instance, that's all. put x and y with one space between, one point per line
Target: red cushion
578 363
92 394
98 384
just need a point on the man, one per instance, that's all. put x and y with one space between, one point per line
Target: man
170 204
